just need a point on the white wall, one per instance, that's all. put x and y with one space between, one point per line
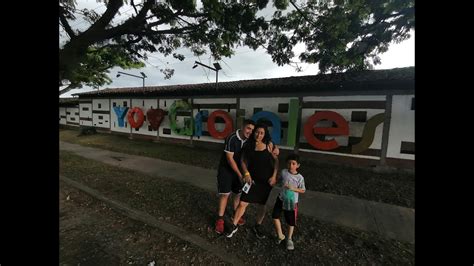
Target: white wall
62 112
99 117
101 120
85 111
402 126
100 105
72 116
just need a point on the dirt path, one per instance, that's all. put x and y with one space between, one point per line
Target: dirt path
93 233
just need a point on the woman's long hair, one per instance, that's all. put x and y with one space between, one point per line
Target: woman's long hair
251 142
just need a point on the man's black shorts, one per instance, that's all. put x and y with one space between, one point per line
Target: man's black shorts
290 216
227 181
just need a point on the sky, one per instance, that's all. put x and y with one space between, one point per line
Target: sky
245 64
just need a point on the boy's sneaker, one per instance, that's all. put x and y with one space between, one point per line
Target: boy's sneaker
258 232
220 226
234 230
280 240
290 245
241 221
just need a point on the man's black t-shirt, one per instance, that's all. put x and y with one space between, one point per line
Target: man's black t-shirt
233 143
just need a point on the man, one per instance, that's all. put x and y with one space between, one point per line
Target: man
229 176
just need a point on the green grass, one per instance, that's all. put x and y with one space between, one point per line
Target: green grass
171 152
396 188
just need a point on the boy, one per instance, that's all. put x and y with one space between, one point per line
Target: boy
292 184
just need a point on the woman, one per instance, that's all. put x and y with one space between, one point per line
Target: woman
260 167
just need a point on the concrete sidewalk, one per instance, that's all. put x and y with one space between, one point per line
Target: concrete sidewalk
391 221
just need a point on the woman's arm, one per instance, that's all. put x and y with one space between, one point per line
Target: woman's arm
273 179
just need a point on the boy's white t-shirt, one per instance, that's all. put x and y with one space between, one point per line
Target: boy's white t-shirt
294 181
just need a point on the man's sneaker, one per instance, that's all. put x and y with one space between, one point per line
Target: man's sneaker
258 232
280 240
290 245
241 221
234 230
220 226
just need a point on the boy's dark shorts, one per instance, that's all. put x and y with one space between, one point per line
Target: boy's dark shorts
228 181
290 216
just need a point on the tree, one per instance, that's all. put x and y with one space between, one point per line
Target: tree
339 35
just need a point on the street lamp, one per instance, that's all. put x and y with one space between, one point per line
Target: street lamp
143 77
216 68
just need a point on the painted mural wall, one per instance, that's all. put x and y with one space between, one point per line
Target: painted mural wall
62 115
340 125
101 113
72 115
356 112
202 108
401 141
85 118
118 115
277 106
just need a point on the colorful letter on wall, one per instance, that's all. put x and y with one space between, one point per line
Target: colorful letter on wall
154 117
181 106
292 121
341 129
198 122
140 117
276 124
211 126
369 133
120 112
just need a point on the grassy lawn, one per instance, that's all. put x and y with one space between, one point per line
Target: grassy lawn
392 188
193 209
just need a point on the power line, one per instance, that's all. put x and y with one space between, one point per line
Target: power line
204 69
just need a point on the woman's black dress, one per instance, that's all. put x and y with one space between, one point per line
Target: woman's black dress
260 166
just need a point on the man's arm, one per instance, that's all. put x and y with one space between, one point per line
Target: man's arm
233 164
243 163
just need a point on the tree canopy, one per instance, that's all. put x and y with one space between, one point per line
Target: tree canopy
338 35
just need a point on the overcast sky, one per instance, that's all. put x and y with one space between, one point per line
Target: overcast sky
244 65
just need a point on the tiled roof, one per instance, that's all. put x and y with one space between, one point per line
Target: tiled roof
367 80
68 101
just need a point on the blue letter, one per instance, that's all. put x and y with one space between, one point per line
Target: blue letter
120 112
198 122
276 124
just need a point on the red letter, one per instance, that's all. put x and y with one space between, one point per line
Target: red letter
131 117
211 128
341 129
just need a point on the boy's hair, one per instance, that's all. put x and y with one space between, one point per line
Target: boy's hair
294 157
248 122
